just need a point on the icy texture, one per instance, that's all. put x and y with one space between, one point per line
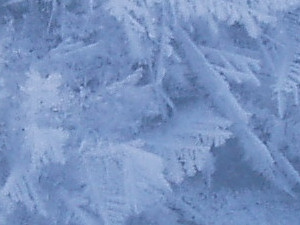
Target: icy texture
139 112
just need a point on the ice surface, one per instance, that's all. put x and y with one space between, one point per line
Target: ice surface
139 112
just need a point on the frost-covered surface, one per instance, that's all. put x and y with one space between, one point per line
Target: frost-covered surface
155 112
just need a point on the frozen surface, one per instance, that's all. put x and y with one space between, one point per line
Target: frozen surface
147 112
